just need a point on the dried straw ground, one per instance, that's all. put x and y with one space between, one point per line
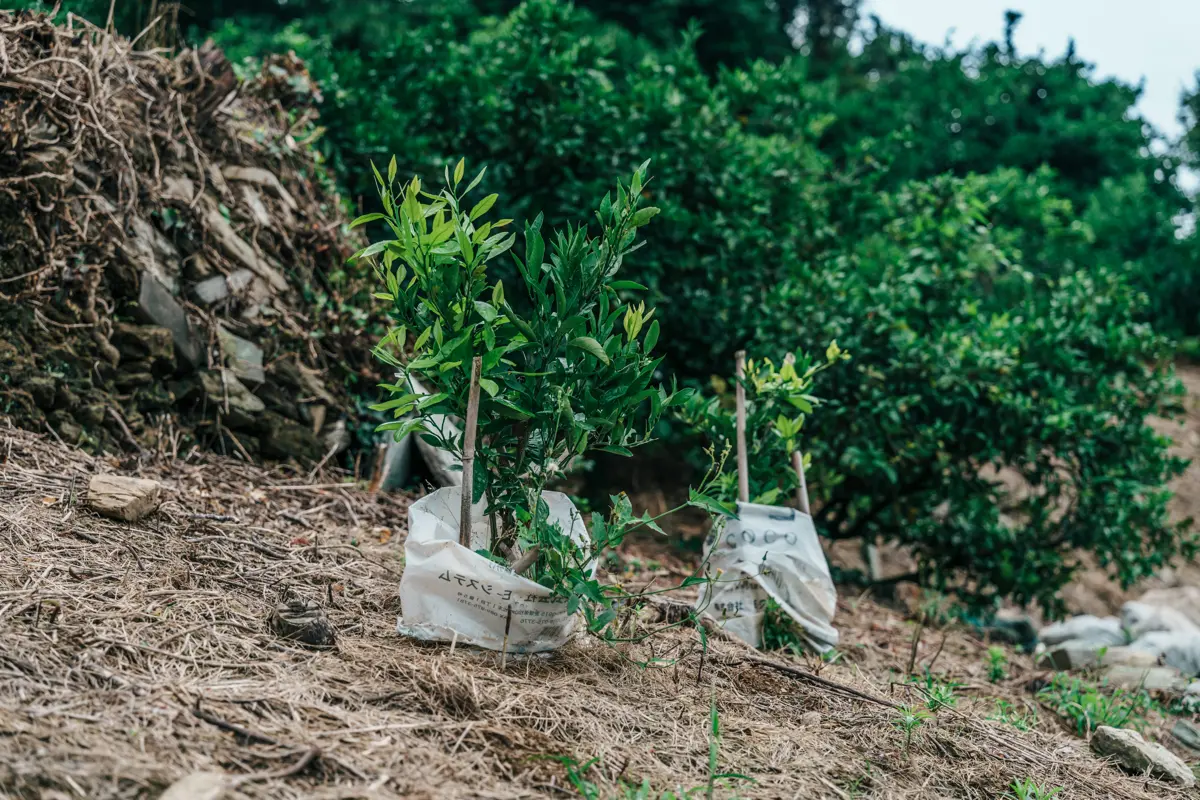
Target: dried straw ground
132 655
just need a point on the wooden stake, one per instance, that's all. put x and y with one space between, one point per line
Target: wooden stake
468 456
802 489
504 651
743 463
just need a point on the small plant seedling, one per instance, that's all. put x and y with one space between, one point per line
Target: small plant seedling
1028 790
1009 714
997 666
940 696
909 719
566 363
778 401
1086 706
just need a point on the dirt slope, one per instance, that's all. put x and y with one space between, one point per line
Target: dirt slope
134 654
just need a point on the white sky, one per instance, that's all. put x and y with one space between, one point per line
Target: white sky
1155 40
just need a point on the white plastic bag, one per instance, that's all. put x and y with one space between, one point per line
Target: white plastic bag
770 552
449 592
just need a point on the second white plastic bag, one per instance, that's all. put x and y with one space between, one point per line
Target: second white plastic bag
451 593
769 552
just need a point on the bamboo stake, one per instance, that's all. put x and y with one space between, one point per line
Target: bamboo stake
468 456
802 489
743 465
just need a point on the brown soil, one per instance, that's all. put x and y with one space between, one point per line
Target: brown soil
135 654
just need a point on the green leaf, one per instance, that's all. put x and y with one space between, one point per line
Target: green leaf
712 505
391 298
620 285
483 206
367 252
489 386
365 218
642 216
479 484
476 181
392 170
511 409
458 170
651 337
486 311
616 450
590 346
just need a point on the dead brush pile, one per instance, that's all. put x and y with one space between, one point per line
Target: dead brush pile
135 654
171 250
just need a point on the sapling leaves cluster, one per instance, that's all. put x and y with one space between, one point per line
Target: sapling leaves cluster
567 362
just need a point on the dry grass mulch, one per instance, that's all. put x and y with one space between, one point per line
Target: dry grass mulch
134 654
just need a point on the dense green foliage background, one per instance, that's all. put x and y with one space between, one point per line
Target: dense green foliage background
998 239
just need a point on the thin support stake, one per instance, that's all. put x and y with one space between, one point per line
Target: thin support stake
468 456
504 651
802 489
743 463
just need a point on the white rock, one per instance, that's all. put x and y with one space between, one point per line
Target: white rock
1100 631
1184 599
121 497
1134 754
197 786
1180 650
1152 679
1141 618
1082 655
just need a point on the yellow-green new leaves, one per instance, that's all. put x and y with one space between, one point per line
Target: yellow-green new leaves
635 318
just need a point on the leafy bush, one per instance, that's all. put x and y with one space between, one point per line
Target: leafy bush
569 372
970 371
777 401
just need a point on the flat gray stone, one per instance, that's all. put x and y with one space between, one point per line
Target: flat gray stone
1184 599
1139 619
197 786
1152 679
157 305
1187 734
1078 655
218 287
244 405
122 497
244 357
1097 630
1135 755
1178 649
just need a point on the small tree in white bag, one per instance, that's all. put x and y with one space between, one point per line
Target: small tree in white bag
562 365
773 584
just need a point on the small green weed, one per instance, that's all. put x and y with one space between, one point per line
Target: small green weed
1009 714
938 694
997 664
1028 790
577 775
1087 707
910 718
780 632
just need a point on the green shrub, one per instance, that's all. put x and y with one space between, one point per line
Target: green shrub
567 370
967 363
778 400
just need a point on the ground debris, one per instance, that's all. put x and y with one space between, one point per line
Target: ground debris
135 653
133 183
